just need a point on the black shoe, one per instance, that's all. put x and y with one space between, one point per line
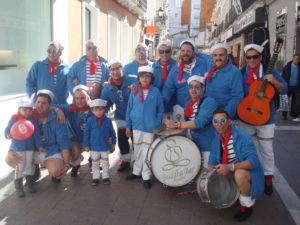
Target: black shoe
243 213
90 162
124 166
147 184
55 180
268 185
95 182
37 172
74 171
106 181
268 190
132 177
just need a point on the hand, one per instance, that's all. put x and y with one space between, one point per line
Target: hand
87 149
128 133
87 97
133 87
105 83
60 116
110 140
223 169
42 150
270 78
169 123
112 148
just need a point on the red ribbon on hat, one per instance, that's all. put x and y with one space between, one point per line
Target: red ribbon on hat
252 75
142 92
189 109
53 66
225 146
93 65
74 107
165 70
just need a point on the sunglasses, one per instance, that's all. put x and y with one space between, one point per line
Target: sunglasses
115 69
197 86
141 49
168 51
52 51
91 48
221 120
252 56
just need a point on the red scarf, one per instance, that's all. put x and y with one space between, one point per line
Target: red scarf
53 66
225 146
93 65
74 107
142 64
142 92
37 116
165 70
181 68
212 70
189 109
252 75
17 116
99 121
114 83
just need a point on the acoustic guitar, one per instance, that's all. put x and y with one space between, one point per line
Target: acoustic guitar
255 108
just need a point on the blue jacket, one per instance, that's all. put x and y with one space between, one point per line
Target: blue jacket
203 132
207 58
180 89
226 88
147 115
272 103
73 121
132 68
110 94
96 138
56 135
244 150
31 143
78 70
39 78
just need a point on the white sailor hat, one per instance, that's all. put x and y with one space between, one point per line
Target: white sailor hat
47 92
256 47
218 45
148 69
113 61
25 102
97 102
196 78
81 87
57 45
190 42
164 43
141 45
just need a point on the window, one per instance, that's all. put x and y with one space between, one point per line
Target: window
87 25
124 43
112 35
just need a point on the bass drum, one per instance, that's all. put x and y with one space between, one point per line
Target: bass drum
220 191
174 160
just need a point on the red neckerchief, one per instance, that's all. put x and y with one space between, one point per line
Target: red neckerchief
114 83
17 116
225 146
181 68
189 109
53 66
212 70
37 116
142 64
93 65
165 70
142 92
74 107
99 121
252 75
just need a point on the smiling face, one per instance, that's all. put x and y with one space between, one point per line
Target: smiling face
221 123
141 53
220 57
80 99
164 53
187 53
195 89
91 51
116 71
53 53
253 58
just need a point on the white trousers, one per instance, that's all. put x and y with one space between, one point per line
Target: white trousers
25 167
263 140
141 143
97 158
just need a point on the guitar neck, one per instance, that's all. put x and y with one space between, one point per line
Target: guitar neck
271 63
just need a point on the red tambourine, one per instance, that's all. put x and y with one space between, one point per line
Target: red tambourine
22 129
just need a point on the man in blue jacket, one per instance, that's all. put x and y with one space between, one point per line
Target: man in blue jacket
117 92
91 70
189 64
51 74
224 81
233 151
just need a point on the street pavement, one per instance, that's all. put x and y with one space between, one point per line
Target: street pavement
75 202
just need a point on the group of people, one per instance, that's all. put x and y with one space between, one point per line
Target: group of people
198 92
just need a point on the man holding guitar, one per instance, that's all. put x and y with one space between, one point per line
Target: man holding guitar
257 110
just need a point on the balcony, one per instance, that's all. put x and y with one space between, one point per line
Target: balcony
138 7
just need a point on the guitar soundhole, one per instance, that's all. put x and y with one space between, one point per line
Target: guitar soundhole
253 110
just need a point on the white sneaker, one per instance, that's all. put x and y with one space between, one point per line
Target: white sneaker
296 119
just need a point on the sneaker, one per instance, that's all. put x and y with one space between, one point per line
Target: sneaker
132 177
268 185
123 166
243 213
95 182
106 181
147 184
296 119
55 180
90 162
74 171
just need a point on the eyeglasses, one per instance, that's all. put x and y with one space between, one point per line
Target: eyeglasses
88 48
197 86
52 51
252 56
167 51
115 69
221 120
141 49
145 75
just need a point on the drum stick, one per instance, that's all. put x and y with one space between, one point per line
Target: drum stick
186 192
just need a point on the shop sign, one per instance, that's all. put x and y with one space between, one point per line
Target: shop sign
245 21
227 34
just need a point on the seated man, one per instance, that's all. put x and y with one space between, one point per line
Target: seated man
238 156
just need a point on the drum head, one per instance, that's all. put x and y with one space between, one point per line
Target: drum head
169 131
175 160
